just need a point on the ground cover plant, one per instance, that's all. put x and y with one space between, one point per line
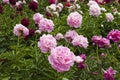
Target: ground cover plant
59 40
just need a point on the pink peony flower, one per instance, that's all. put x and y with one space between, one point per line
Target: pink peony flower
80 41
101 41
19 30
70 35
114 35
37 17
6 1
46 25
53 1
109 17
46 43
94 10
61 58
74 20
109 74
59 36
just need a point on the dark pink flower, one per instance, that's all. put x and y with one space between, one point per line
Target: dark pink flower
31 33
81 65
33 5
114 35
25 22
67 4
101 41
83 56
53 1
109 74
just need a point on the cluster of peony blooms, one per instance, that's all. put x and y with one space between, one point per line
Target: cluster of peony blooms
44 24
101 41
61 58
95 10
54 9
77 40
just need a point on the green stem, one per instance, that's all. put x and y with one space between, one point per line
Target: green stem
18 41
36 55
98 55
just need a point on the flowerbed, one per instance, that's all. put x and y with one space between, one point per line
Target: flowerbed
59 40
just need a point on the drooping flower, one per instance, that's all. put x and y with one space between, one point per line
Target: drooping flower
80 41
25 22
61 58
20 30
114 35
101 41
109 17
46 43
70 35
59 36
37 17
74 20
46 25
109 74
33 5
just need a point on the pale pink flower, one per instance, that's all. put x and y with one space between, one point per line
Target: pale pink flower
74 20
59 36
109 17
61 58
20 30
59 7
94 10
46 43
37 17
80 41
78 59
6 1
18 3
46 25
70 35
